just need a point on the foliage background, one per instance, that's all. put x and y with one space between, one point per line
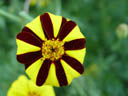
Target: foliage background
106 62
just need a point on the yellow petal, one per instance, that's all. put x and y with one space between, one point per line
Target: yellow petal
36 27
47 91
56 21
52 79
18 87
70 72
74 34
77 54
23 47
32 70
44 90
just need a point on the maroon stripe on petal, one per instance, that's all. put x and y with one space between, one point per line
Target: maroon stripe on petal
75 44
29 58
75 64
60 74
30 63
43 73
29 38
63 22
47 25
66 29
26 29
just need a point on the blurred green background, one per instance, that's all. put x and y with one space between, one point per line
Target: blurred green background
106 61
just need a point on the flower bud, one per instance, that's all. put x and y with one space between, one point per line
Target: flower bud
122 31
41 3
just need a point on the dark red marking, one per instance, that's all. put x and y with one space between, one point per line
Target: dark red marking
29 38
61 76
75 64
47 25
29 58
26 29
63 22
66 29
43 73
75 44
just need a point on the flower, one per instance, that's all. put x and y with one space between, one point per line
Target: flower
25 87
122 31
41 3
33 2
52 49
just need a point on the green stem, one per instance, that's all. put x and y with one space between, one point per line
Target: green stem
27 5
58 7
25 16
10 16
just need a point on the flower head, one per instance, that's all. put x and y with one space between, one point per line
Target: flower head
52 49
25 87
41 3
122 31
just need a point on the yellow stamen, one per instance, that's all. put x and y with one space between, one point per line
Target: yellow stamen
52 49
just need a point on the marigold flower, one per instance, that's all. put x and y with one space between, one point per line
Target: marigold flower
52 49
25 87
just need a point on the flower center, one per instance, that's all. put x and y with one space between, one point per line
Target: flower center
33 94
52 49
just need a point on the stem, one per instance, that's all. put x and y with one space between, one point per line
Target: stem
58 7
10 16
27 5
25 16
25 13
